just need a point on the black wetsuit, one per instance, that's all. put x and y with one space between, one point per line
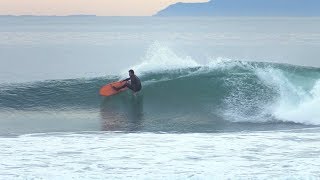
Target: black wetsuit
135 84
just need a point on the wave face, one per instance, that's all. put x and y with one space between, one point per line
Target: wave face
222 91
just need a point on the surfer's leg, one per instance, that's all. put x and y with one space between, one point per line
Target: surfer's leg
129 86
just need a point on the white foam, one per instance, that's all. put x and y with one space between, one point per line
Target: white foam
261 155
306 111
294 104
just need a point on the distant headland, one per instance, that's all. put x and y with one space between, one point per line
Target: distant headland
244 8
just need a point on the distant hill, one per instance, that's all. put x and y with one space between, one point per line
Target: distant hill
245 8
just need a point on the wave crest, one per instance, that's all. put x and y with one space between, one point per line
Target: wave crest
223 90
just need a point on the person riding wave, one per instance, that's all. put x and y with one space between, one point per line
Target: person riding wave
134 84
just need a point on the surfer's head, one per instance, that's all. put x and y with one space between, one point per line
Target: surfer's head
131 72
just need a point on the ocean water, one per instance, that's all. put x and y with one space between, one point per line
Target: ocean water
222 98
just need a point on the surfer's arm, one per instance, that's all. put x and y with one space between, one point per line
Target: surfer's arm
126 79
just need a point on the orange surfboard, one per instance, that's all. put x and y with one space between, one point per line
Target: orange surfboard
107 90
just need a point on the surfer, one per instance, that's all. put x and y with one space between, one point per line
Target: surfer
134 84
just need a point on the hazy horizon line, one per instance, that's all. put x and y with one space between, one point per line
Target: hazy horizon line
93 15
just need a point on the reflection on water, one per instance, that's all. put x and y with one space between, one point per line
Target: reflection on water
123 112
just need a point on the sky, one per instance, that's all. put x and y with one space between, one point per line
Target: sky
92 7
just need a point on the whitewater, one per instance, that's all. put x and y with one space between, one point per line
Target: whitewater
216 103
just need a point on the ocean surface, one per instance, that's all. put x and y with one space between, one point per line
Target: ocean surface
222 98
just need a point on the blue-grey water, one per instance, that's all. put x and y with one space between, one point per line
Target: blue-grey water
222 98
